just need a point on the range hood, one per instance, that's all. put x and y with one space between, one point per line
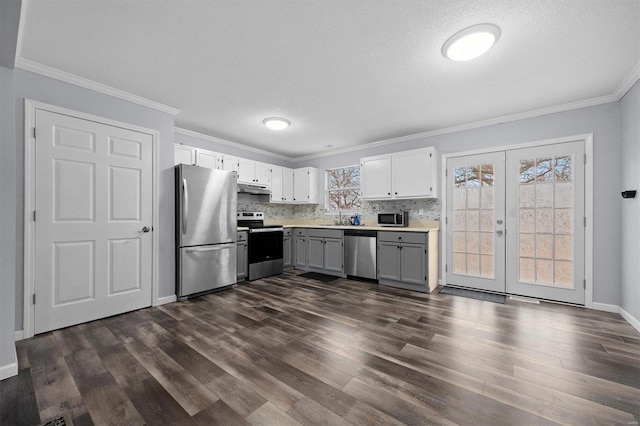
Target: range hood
248 188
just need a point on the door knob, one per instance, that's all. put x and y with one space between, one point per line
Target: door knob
145 229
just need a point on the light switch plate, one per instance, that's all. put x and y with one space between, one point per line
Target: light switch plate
421 212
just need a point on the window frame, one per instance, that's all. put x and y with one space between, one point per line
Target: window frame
358 189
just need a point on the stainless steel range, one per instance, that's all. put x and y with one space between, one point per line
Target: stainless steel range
265 245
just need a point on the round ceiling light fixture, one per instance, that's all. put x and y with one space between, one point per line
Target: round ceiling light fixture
471 42
276 123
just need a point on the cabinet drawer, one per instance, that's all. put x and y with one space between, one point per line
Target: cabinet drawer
286 232
324 233
403 237
242 236
300 232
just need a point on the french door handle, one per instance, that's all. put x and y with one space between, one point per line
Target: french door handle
500 232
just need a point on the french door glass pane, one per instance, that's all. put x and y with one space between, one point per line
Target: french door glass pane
473 215
546 221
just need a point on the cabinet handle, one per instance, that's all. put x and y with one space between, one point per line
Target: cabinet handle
396 193
388 193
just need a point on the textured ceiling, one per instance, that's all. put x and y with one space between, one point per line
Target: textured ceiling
344 72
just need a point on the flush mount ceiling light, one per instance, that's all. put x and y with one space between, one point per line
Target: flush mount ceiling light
471 42
276 123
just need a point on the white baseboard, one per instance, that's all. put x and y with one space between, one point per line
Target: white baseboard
618 310
630 319
166 299
606 307
19 335
9 370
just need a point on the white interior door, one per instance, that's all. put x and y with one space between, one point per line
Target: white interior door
545 205
93 201
475 221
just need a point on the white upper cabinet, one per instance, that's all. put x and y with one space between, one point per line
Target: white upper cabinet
305 185
230 163
281 184
207 159
254 172
406 174
287 184
415 174
375 175
183 154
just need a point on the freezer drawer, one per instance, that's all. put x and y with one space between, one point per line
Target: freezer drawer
205 268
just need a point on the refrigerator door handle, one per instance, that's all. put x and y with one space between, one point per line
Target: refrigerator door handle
185 205
215 248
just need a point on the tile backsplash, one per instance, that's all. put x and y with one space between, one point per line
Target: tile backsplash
249 202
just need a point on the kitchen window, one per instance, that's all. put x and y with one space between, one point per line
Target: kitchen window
343 189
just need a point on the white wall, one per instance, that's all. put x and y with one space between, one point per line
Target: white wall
602 120
7 221
630 136
39 88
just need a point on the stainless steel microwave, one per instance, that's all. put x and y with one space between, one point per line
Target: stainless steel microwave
393 219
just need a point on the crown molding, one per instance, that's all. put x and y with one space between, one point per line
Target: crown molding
191 133
469 126
47 71
628 82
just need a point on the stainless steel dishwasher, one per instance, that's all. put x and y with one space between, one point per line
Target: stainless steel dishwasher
360 258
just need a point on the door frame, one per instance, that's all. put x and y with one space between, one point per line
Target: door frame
30 108
587 138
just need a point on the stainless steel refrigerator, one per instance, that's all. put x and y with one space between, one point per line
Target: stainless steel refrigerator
206 204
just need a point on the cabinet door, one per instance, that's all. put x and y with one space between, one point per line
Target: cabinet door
287 185
184 155
300 185
246 172
262 173
277 184
413 259
315 252
229 163
375 173
301 251
207 159
333 255
389 261
286 252
412 173
241 253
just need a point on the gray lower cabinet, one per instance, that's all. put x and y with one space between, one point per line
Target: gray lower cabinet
408 259
287 247
300 248
324 251
242 256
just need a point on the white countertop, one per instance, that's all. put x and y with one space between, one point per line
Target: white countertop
434 226
372 228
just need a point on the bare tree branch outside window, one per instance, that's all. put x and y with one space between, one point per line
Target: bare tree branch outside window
343 189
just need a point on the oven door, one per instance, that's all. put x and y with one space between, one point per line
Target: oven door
265 244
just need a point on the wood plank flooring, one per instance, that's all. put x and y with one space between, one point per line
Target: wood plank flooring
292 351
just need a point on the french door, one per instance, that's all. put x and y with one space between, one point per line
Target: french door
516 222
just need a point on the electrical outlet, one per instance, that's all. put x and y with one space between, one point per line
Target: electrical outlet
421 212
375 207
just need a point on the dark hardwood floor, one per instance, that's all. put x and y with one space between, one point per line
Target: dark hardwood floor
287 350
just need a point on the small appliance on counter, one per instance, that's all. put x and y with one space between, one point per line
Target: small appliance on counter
393 219
265 245
206 201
